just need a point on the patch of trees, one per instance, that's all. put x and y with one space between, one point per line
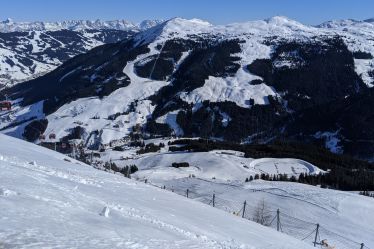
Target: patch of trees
341 179
118 148
151 147
267 177
362 55
34 129
158 129
137 143
371 74
75 133
323 71
126 171
180 165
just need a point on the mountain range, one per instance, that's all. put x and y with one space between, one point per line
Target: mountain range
75 25
31 49
252 82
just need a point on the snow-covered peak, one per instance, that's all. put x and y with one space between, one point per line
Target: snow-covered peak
8 21
10 26
194 22
282 21
185 26
175 27
146 24
346 23
338 23
371 20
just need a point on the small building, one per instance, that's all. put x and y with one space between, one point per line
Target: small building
5 106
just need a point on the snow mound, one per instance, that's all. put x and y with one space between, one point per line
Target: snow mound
221 165
284 166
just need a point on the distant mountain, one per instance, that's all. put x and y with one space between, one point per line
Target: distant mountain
75 25
346 23
251 82
28 50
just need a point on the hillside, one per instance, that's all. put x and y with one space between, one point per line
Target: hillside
31 49
68 196
251 82
344 217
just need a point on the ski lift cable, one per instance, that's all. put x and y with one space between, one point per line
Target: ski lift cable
154 64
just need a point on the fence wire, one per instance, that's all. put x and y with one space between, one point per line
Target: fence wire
280 221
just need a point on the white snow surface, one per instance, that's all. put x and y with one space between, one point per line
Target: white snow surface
223 173
220 165
61 203
339 213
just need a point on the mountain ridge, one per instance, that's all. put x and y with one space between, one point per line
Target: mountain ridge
75 25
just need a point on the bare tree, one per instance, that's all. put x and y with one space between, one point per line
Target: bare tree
262 214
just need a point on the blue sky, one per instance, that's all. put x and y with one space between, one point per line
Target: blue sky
215 11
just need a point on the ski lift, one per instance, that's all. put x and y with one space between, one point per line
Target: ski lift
52 136
5 106
154 64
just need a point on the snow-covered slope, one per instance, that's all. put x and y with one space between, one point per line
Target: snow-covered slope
345 218
220 165
48 200
30 54
31 49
